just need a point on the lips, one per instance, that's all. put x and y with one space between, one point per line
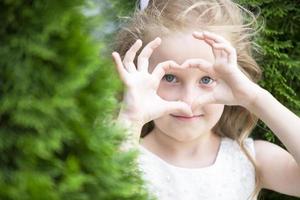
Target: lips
187 118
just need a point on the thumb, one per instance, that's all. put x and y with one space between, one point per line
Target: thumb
178 107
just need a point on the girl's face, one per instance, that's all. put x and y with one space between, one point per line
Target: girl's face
186 85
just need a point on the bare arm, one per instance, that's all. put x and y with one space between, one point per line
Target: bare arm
280 169
284 123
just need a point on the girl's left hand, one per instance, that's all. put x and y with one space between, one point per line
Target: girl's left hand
233 86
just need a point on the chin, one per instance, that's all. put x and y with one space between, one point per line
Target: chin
186 137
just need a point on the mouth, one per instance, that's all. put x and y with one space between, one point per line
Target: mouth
187 118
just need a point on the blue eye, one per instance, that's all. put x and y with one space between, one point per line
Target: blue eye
206 80
169 78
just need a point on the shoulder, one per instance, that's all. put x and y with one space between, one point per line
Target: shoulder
264 148
267 151
248 144
278 169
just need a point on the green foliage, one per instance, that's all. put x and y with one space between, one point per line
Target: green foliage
56 141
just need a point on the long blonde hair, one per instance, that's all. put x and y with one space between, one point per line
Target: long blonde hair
164 17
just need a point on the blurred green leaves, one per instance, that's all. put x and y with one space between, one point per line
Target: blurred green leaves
57 99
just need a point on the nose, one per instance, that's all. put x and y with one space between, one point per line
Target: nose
190 94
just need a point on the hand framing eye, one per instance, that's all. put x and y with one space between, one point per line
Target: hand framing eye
233 86
141 101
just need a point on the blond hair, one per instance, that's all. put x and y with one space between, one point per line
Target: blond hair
164 17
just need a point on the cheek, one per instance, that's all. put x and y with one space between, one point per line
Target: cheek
168 92
214 111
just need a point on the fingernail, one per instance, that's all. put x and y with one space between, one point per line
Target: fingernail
158 39
139 41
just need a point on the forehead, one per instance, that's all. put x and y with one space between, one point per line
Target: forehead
180 47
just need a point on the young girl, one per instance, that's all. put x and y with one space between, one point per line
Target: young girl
192 100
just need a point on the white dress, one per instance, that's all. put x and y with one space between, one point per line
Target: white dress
231 177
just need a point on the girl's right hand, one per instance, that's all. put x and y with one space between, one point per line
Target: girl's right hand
141 103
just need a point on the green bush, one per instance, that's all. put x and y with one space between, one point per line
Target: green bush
56 94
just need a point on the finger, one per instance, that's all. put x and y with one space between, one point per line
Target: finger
119 65
208 41
178 107
223 44
215 37
200 64
230 51
143 59
161 69
205 99
130 55
199 35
